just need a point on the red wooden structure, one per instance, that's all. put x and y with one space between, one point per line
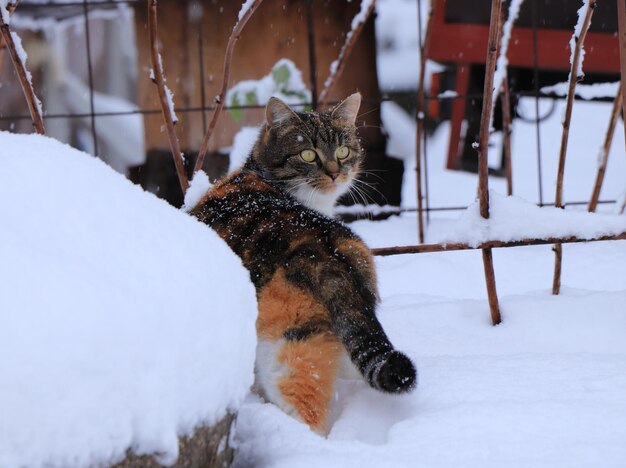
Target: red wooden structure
539 39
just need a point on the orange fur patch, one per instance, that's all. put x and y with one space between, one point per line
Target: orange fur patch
309 385
283 305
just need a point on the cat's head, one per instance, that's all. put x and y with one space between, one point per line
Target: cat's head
313 156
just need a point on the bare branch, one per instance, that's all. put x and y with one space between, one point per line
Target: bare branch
336 68
493 244
164 96
604 154
495 36
421 113
230 47
10 39
573 79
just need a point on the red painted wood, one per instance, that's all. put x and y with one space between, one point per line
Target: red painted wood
466 43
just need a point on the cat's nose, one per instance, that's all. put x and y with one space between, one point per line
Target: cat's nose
332 175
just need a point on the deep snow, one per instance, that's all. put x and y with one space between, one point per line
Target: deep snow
117 327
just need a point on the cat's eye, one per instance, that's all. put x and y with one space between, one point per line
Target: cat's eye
342 152
308 155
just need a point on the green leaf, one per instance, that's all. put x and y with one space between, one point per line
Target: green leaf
281 75
236 114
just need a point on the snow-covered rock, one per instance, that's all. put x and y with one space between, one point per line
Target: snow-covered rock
124 323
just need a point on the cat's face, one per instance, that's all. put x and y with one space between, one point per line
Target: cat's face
314 156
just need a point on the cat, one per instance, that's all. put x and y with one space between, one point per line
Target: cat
315 279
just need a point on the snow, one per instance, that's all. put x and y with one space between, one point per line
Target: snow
198 187
242 145
284 82
503 61
168 93
118 329
584 91
21 53
6 18
512 218
582 12
244 8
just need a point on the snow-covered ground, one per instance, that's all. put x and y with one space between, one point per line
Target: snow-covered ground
546 388
117 329
93 360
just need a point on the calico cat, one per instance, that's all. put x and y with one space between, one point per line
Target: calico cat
314 278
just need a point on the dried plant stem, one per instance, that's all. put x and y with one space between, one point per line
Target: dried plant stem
495 35
621 25
421 114
230 47
344 53
505 98
493 244
573 79
604 154
159 80
22 74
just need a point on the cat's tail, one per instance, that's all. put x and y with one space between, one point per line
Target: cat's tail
370 350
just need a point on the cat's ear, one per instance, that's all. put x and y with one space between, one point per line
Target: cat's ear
278 113
347 109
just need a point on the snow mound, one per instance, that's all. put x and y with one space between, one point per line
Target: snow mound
119 329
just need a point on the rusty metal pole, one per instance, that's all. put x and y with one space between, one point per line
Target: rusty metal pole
495 35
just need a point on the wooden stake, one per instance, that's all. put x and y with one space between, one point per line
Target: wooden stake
339 64
159 80
421 114
573 79
604 154
22 74
219 99
495 35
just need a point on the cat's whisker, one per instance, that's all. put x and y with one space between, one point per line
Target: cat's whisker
370 187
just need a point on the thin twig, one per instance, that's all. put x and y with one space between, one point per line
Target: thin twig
219 99
336 68
495 36
505 98
573 79
34 105
421 113
621 26
159 80
604 153
493 244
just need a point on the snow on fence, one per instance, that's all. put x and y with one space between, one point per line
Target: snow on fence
492 86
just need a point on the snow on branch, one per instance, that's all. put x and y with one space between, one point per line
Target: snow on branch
575 74
247 10
165 96
18 56
503 61
336 68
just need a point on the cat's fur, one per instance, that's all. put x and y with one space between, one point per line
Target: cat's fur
315 279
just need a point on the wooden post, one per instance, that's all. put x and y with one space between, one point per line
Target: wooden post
495 35
573 79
